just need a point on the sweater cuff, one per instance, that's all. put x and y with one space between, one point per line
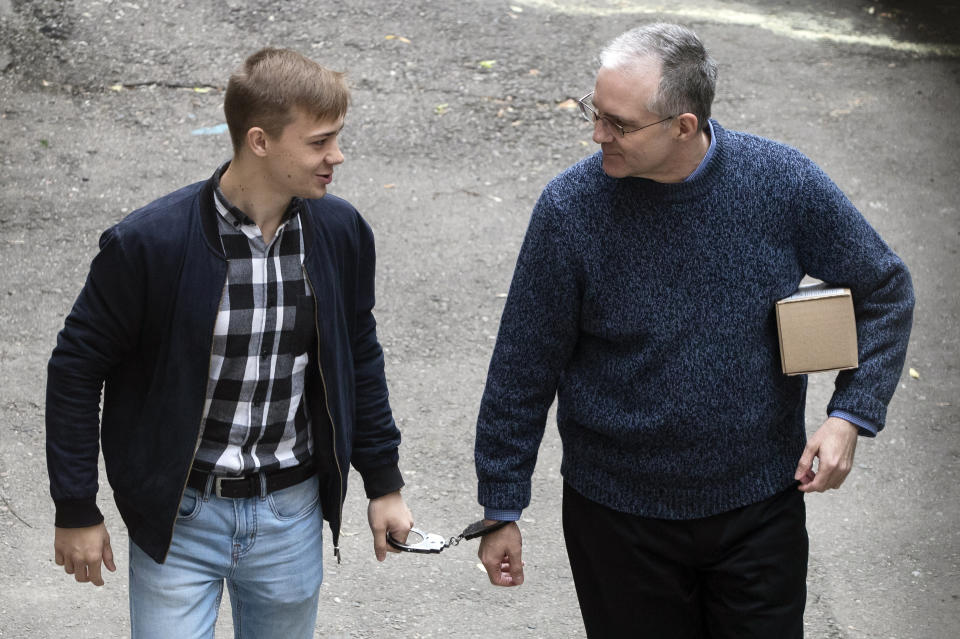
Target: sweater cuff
381 481
865 406
865 427
503 495
496 514
77 513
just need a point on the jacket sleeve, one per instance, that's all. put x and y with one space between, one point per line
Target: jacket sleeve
101 327
837 245
376 436
538 332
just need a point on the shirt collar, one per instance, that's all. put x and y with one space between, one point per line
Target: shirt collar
707 156
233 215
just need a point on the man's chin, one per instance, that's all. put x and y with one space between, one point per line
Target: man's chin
611 168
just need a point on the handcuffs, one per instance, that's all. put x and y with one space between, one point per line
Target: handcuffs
423 542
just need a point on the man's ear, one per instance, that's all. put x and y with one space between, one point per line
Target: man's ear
688 125
257 141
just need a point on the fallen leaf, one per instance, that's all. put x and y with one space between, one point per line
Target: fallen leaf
914 374
516 9
116 87
534 71
201 89
487 64
389 186
440 109
568 104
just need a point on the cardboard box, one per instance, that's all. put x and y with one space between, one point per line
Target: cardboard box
817 330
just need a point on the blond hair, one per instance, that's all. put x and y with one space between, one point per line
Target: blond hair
273 82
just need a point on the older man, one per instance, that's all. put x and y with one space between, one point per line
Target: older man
643 300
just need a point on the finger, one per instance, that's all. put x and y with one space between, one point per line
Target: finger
93 573
516 570
58 557
816 485
806 479
68 566
108 558
401 534
806 460
80 572
494 569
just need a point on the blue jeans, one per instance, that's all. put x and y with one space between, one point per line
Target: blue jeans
269 550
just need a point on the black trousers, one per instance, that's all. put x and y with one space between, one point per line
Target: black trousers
737 575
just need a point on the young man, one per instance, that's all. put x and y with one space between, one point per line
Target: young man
230 325
643 299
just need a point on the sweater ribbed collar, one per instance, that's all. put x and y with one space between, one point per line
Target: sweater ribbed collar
702 182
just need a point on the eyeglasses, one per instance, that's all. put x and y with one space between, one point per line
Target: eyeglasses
590 115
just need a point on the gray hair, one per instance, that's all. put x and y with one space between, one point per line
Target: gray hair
688 77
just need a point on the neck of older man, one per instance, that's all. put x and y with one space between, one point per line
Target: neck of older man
691 148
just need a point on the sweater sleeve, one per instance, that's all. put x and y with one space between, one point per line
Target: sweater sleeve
537 334
837 245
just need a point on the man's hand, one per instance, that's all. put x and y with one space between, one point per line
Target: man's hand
388 513
833 444
500 554
81 550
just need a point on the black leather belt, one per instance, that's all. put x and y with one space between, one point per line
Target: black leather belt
249 486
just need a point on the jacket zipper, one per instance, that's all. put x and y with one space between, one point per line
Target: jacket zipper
196 445
326 404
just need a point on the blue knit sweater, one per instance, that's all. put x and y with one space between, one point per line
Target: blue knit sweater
647 309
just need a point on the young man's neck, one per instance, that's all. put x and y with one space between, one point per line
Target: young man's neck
248 188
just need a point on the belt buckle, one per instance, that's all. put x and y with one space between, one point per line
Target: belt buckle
218 485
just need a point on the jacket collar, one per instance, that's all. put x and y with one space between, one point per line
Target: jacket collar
208 215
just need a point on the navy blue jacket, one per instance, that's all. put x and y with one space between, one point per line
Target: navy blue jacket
142 329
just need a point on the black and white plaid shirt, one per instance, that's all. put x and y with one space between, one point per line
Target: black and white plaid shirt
254 417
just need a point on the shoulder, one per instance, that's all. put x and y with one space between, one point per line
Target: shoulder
761 160
577 193
162 223
748 147
335 223
331 210
333 215
585 178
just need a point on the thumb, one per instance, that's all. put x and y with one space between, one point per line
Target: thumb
806 461
108 557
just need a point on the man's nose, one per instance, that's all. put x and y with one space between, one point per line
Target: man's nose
601 133
335 156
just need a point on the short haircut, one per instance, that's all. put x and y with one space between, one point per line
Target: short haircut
273 82
688 77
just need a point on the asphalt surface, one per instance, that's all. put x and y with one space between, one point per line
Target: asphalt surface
459 117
